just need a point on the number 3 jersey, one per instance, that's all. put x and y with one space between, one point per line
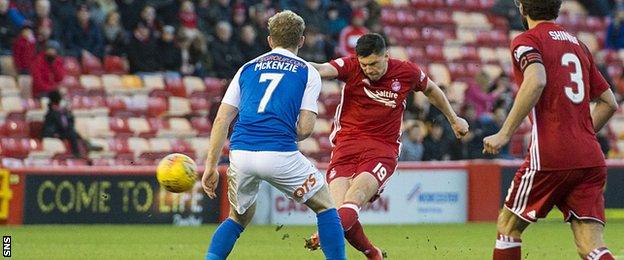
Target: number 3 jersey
269 93
562 135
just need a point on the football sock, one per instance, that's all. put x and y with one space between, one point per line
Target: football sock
331 235
348 215
601 253
507 248
354 233
223 240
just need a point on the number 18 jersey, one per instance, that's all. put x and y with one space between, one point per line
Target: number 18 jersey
269 93
562 135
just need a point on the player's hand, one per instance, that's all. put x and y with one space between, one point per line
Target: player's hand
210 179
493 143
460 127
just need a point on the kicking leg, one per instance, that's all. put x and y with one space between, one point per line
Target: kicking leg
330 231
228 232
588 236
361 190
508 241
338 188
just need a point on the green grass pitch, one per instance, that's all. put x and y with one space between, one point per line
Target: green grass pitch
545 240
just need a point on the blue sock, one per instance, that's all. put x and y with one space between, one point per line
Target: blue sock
223 240
331 235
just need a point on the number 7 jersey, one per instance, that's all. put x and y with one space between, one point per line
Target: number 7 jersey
562 135
269 92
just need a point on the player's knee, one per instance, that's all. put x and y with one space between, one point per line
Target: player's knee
509 224
321 201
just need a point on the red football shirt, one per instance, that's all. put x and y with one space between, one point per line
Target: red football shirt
374 109
563 135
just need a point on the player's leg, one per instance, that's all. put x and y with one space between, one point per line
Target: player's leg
242 194
531 196
305 184
588 236
330 230
508 240
584 208
363 187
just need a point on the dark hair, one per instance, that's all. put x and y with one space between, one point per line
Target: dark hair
370 43
55 97
541 9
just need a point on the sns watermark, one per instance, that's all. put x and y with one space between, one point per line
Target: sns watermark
6 246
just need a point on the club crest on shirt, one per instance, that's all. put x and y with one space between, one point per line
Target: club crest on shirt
396 85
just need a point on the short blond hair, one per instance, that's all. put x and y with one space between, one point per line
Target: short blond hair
285 29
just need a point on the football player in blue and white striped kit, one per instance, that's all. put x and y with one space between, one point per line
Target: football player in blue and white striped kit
275 97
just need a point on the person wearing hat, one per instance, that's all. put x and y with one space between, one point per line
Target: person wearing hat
47 70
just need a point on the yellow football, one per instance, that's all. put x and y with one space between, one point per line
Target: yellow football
176 173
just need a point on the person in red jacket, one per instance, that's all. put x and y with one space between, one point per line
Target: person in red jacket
24 50
47 70
350 34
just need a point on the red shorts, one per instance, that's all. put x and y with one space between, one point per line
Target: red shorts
351 158
577 193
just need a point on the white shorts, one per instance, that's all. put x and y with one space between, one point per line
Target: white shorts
290 172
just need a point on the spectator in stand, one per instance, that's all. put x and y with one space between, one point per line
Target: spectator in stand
259 15
187 15
222 11
43 19
435 145
59 123
615 31
170 53
316 48
194 53
143 51
412 148
9 26
84 37
47 70
226 55
149 20
370 7
64 14
480 97
204 14
130 11
115 36
508 10
596 7
239 20
24 50
336 22
314 14
96 12
350 34
248 44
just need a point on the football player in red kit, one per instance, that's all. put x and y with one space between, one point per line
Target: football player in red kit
367 127
565 166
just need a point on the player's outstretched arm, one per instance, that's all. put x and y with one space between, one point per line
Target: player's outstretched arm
218 135
530 92
305 125
438 99
606 105
326 70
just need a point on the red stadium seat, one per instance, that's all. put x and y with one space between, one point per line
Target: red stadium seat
157 106
182 146
175 86
92 65
120 126
202 125
214 86
200 105
72 66
13 147
115 65
15 128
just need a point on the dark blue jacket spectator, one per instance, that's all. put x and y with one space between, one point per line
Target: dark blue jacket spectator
130 11
10 23
84 35
615 32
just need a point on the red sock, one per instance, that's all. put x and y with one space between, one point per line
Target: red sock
359 241
601 253
348 213
507 248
